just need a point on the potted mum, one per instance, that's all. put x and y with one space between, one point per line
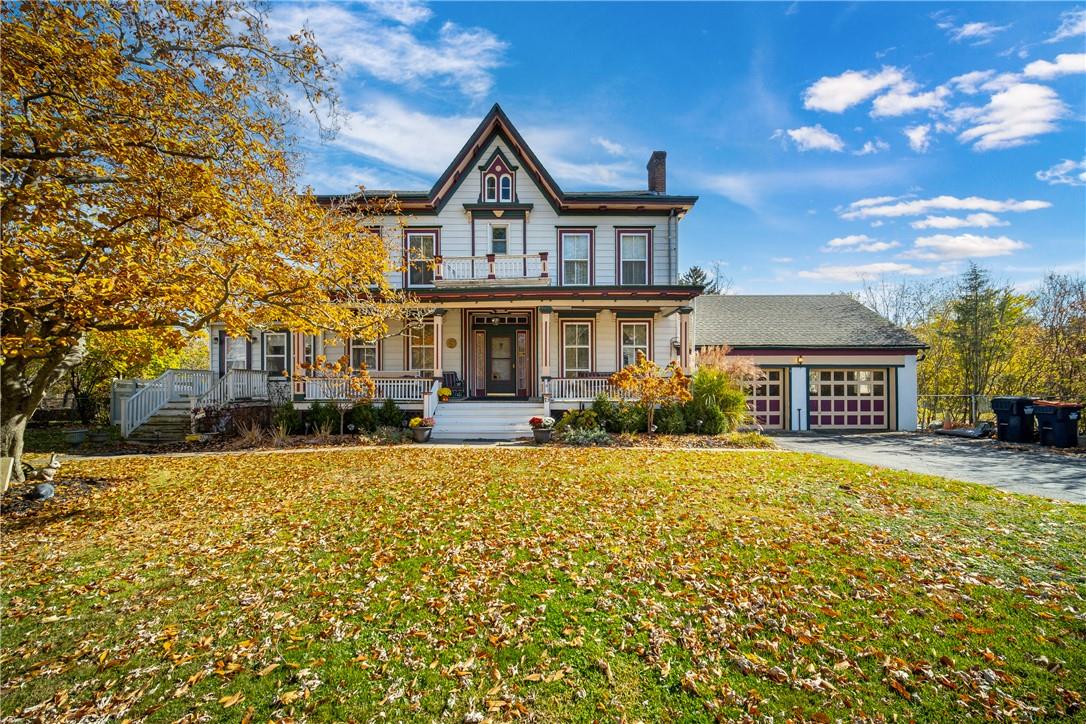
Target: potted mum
542 428
421 427
444 394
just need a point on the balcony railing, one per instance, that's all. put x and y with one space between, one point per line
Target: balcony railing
492 268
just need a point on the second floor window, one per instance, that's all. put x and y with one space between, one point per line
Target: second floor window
499 239
634 258
575 257
421 249
491 192
507 188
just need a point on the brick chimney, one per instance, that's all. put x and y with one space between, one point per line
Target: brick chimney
658 172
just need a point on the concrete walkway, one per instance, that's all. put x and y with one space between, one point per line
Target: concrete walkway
1034 471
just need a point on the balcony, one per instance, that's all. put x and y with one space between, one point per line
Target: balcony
492 269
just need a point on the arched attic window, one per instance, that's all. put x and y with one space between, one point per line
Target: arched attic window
507 188
491 193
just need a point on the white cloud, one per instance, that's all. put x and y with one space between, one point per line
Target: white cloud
860 271
901 101
1072 24
464 58
982 220
1014 116
890 207
1066 64
407 12
812 138
613 148
870 147
980 33
838 93
919 137
972 81
962 246
1071 173
859 243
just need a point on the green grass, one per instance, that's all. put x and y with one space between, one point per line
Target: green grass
557 583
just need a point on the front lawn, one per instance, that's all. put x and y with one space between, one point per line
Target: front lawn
551 583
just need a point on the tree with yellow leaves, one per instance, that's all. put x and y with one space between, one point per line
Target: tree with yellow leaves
340 384
652 386
149 184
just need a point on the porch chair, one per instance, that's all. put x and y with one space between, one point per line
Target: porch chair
454 383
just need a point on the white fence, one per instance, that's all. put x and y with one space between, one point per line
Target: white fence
493 266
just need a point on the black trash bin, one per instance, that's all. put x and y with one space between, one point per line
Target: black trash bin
1013 422
1057 422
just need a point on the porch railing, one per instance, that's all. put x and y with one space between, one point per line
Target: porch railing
492 266
236 384
397 389
582 389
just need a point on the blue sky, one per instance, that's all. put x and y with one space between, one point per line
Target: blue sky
828 142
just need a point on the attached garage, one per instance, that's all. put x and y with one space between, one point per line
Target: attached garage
830 363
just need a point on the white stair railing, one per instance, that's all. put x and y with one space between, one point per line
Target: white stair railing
236 384
429 399
174 384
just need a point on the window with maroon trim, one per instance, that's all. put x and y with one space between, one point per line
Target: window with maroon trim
421 250
633 338
576 348
491 188
633 251
576 250
506 187
364 355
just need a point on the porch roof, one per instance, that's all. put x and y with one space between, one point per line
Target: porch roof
663 293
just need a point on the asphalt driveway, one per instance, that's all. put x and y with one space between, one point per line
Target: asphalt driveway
1034 472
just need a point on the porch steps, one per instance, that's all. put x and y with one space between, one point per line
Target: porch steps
484 420
170 424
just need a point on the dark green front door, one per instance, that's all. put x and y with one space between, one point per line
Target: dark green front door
501 361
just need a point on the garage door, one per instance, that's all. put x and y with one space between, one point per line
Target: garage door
844 398
765 399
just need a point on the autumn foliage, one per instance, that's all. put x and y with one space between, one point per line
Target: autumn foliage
148 184
651 386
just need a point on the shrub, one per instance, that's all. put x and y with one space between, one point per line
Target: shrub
718 403
671 420
390 414
585 436
286 418
323 418
578 420
630 417
363 417
606 412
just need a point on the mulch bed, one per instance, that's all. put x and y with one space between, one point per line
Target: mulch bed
733 441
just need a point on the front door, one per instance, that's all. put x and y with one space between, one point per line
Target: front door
501 361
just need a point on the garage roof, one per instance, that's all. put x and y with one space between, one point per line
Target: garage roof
793 321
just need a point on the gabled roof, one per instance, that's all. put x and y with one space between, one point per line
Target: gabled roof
497 124
767 321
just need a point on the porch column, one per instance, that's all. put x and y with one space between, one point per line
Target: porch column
545 342
685 340
439 339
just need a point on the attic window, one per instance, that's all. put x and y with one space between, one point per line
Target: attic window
507 188
491 188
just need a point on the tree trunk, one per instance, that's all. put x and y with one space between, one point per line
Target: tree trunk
23 384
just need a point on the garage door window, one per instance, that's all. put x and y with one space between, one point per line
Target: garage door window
764 399
848 398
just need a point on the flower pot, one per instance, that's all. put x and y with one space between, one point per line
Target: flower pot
422 434
75 438
542 434
444 398
98 437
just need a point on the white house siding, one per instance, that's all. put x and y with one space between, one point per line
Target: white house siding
541 233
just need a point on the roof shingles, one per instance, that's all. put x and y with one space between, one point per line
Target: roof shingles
793 321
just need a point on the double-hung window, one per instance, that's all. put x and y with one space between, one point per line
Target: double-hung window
420 352
275 352
363 355
421 250
575 247
499 239
491 188
634 338
633 257
576 347
507 188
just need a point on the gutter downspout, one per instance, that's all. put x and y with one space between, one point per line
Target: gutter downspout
672 249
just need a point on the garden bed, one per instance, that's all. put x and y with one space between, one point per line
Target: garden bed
734 440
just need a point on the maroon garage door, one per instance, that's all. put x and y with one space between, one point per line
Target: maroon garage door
848 398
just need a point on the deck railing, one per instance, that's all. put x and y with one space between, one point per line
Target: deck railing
492 266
